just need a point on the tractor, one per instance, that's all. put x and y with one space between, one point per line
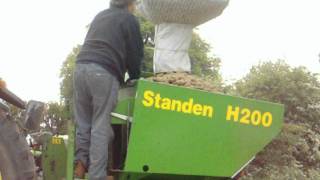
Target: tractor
16 160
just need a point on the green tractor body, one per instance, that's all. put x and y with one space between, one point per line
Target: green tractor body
169 132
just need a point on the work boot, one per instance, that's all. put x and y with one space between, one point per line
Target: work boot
110 178
80 170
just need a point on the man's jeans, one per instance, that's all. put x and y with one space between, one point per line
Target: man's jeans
95 97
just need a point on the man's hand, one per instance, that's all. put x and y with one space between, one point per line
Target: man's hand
2 84
131 82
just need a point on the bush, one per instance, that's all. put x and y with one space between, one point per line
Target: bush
294 154
296 88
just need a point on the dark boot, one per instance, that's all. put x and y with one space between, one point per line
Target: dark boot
110 178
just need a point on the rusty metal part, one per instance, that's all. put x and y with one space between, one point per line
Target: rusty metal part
34 115
11 98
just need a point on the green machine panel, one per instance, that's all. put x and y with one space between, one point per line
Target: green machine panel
125 104
54 159
182 131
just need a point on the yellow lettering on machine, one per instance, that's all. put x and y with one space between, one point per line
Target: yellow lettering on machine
56 140
248 116
154 100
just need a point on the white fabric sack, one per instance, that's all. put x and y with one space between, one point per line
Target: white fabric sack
172 45
174 21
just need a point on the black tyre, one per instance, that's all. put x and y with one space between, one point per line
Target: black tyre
16 160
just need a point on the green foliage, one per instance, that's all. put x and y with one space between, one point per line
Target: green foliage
202 64
296 88
55 118
66 85
148 59
147 32
294 154
147 28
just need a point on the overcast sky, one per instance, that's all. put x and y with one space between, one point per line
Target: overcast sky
37 35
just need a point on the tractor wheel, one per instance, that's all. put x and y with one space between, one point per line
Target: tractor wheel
16 161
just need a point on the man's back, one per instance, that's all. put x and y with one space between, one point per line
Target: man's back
114 42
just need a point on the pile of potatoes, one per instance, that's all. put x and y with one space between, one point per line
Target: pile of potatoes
184 79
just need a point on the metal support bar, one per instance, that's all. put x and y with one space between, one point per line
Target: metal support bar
71 150
11 98
122 117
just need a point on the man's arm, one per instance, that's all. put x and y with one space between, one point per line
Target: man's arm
134 47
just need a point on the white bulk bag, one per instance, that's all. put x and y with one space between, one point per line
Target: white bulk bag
175 20
171 49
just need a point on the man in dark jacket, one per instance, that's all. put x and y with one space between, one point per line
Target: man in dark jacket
113 46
